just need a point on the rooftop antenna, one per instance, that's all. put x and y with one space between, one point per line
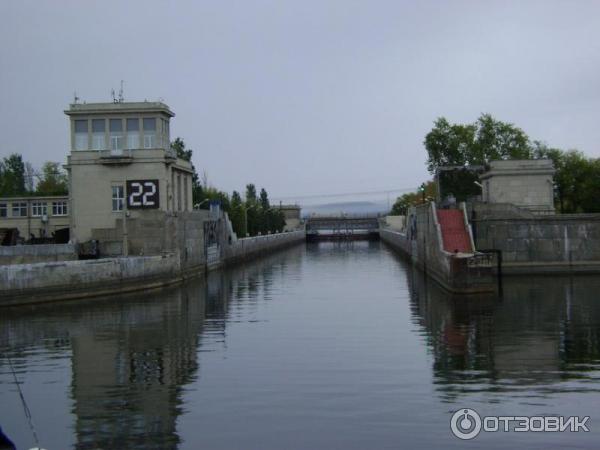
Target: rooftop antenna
75 98
112 93
121 98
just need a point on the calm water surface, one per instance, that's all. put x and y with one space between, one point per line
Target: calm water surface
328 346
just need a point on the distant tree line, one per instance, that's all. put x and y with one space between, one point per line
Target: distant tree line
577 177
18 178
251 215
426 192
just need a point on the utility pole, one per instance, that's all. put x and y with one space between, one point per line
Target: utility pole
125 237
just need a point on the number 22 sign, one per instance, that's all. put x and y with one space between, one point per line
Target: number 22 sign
142 194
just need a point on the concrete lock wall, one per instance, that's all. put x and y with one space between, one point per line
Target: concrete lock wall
545 243
178 238
157 232
27 254
31 283
422 243
396 223
242 249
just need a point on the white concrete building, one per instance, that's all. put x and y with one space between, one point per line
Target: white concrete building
34 216
121 165
291 213
527 184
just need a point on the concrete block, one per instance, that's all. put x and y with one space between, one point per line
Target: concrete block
499 231
523 256
520 231
543 248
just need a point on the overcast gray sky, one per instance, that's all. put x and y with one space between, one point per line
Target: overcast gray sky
304 97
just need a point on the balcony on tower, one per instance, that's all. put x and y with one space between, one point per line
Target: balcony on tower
118 132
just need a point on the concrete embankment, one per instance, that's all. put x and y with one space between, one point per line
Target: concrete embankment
247 248
423 245
561 243
22 284
28 254
32 283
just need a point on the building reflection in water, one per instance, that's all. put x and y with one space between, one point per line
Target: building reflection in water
129 367
133 356
543 331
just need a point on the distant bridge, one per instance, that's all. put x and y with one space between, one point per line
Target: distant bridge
342 227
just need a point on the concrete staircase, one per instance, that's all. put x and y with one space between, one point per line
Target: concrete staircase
455 234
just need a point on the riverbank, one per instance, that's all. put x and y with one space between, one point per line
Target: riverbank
22 284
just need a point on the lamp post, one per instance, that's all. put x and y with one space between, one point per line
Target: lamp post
246 217
422 189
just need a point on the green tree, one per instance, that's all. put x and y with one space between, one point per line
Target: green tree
591 186
250 194
262 218
405 201
206 194
236 214
264 199
459 182
542 151
277 220
253 217
12 176
53 180
479 143
449 145
178 146
496 140
252 212
264 212
571 181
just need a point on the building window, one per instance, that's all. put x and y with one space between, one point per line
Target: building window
39 209
3 210
81 135
150 133
133 133
165 133
116 135
98 134
19 209
117 198
59 208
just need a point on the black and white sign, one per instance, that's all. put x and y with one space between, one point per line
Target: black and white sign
142 194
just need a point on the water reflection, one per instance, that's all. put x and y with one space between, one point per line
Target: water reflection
130 356
329 345
543 332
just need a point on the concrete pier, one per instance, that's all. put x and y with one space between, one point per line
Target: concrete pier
423 243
